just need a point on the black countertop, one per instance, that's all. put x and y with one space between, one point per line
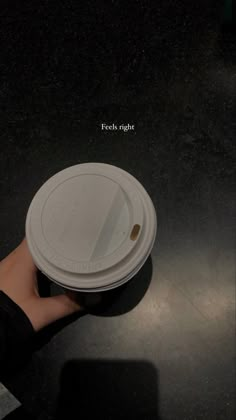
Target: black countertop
164 347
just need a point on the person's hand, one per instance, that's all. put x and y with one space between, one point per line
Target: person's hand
18 279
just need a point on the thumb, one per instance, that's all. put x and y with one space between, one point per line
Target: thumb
57 307
44 311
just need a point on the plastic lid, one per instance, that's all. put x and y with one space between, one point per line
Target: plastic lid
90 226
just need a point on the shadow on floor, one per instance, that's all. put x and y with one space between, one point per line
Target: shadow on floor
108 389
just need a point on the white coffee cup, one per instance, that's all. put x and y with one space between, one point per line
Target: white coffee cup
91 227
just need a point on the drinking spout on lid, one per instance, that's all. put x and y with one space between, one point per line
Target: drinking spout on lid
135 232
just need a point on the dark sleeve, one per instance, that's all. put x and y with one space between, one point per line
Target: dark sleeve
16 336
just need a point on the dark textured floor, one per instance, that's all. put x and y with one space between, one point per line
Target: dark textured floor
170 70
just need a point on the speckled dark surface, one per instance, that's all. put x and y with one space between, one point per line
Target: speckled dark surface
169 69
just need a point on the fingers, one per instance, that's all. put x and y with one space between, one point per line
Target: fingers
44 311
25 256
87 300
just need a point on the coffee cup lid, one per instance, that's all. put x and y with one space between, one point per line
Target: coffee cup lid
91 227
